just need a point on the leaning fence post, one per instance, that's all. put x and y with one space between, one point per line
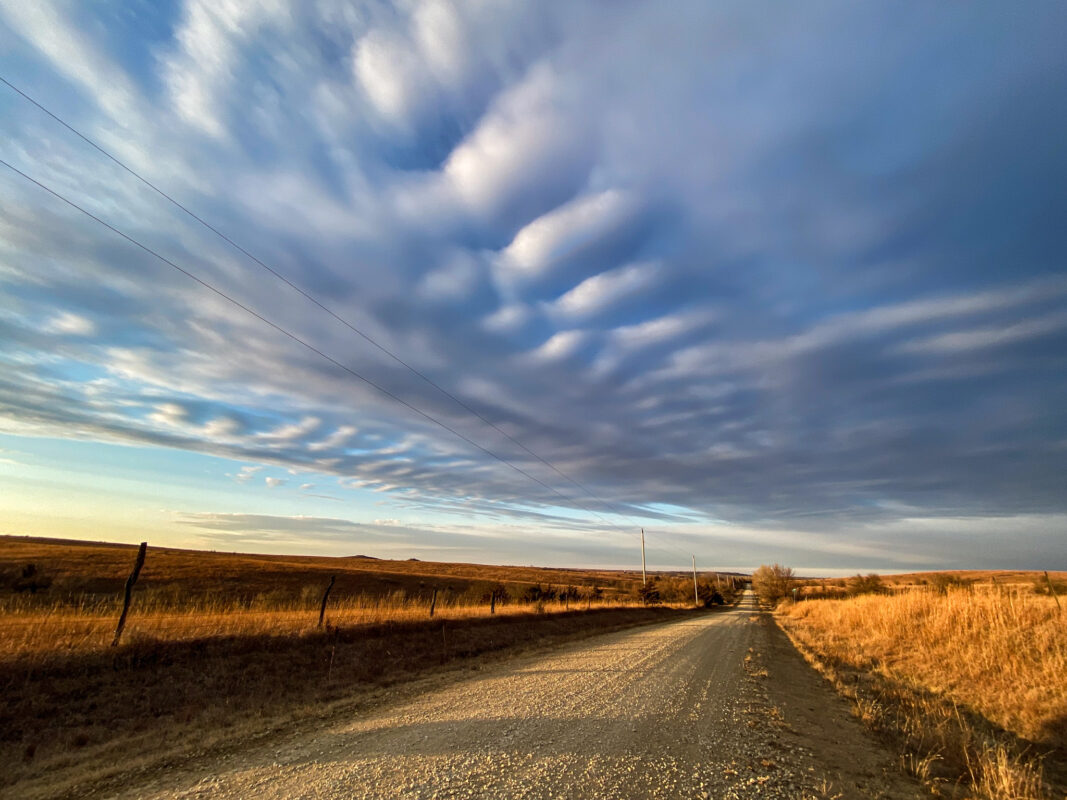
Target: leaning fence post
492 602
433 602
130 581
325 597
1052 591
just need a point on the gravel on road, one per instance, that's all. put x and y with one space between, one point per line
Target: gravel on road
681 710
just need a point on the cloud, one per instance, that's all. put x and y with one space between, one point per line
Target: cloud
48 28
335 440
246 473
201 69
68 323
291 431
564 232
599 292
274 483
506 318
784 292
989 337
525 155
559 346
390 72
169 414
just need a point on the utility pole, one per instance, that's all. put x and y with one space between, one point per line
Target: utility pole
696 594
643 580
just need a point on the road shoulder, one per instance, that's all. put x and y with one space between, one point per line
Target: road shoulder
809 718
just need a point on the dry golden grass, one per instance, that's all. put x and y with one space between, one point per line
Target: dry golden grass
1003 577
72 719
61 597
941 666
35 635
219 647
980 580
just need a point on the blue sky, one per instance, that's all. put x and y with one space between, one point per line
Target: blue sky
778 283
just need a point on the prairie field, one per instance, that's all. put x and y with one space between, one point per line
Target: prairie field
973 682
61 597
76 572
219 646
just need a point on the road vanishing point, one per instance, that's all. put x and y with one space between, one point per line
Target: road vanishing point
715 706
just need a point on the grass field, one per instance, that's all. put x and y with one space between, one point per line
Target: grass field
978 580
972 681
59 597
74 573
220 646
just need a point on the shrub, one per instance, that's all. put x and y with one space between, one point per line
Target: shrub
866 584
498 593
539 594
649 593
29 579
570 594
943 581
710 594
772 583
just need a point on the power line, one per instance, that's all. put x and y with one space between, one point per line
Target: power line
611 507
286 332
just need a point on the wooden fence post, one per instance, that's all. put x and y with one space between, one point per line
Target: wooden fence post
130 581
325 597
492 602
1052 591
433 602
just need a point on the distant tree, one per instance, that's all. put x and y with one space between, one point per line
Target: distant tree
539 594
649 593
866 584
709 595
772 583
570 594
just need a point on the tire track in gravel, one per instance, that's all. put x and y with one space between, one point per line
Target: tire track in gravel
658 712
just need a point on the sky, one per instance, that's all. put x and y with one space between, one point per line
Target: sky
508 281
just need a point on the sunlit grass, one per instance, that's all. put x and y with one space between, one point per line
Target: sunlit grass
29 632
1000 654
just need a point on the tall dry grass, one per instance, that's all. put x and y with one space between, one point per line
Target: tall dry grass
32 634
950 672
73 719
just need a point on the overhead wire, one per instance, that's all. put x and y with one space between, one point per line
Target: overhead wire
311 298
353 328
294 337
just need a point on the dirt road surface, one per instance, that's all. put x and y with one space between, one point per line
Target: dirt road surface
717 706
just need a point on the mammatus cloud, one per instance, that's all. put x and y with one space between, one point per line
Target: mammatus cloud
736 277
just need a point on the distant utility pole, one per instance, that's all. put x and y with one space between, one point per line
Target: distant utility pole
643 581
696 594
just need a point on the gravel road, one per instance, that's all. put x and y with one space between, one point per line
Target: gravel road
674 710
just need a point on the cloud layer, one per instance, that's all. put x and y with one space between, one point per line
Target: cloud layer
797 268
